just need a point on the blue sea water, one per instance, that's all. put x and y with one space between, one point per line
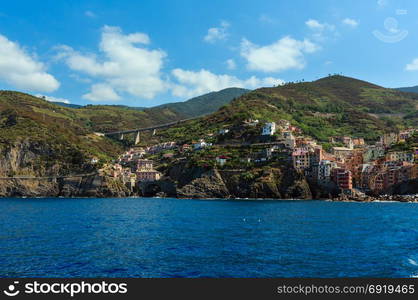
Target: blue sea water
148 237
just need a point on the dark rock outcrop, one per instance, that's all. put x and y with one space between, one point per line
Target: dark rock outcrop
409 187
275 183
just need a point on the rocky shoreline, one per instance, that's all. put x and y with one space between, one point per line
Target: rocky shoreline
379 198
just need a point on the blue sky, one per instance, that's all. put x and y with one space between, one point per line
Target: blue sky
144 53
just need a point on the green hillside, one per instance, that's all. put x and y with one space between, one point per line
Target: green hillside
62 139
334 105
106 118
38 137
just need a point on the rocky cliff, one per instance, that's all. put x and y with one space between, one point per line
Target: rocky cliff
197 182
88 186
33 169
409 187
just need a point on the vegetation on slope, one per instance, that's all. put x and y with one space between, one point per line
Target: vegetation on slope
48 137
61 137
334 105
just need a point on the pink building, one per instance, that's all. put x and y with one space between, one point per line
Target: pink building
342 178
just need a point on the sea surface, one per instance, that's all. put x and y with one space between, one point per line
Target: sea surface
146 237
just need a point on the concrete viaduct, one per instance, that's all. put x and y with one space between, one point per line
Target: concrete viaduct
121 134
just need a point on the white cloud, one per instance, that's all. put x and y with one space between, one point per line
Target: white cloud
286 53
90 14
101 92
217 33
53 99
413 66
191 83
230 64
350 22
22 70
314 24
125 66
320 31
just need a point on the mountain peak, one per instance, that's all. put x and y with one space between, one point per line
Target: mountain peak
340 80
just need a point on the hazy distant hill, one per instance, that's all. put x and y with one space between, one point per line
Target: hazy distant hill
112 117
68 104
412 89
204 104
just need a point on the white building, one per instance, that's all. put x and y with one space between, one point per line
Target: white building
201 144
269 129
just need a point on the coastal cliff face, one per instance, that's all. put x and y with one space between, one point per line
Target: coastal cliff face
24 158
88 186
39 160
278 183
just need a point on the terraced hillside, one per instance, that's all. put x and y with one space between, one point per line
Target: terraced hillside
334 105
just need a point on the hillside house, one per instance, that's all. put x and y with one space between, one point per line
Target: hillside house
145 164
221 160
400 156
145 171
200 145
342 178
358 142
341 152
150 175
301 159
324 171
269 129
388 139
373 153
289 140
223 131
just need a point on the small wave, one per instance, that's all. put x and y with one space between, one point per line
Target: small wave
412 262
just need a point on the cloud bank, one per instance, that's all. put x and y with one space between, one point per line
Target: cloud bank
284 54
126 65
23 71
